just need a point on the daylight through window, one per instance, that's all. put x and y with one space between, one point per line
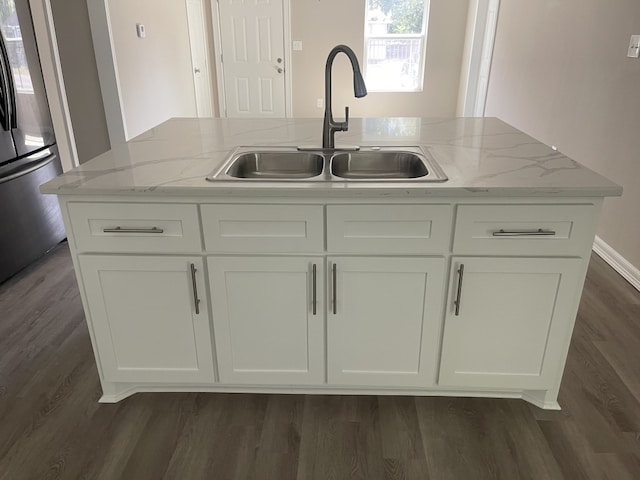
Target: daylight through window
395 36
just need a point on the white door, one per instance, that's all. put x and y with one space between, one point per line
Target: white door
266 326
253 57
384 327
504 333
199 57
145 320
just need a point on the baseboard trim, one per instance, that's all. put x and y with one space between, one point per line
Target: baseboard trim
621 265
116 392
537 398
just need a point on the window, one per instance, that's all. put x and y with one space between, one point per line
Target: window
395 35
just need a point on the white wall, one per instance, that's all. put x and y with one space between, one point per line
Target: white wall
560 73
155 72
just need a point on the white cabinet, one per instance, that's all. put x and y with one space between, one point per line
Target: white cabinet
389 229
332 295
283 229
383 329
138 227
268 317
149 318
520 230
383 323
508 321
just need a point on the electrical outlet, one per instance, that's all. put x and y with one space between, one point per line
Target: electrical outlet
634 47
320 103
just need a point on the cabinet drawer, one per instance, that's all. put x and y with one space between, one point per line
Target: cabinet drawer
388 228
524 229
263 228
123 227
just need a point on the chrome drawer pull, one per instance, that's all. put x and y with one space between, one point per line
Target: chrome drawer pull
314 298
133 230
456 302
524 233
196 300
334 269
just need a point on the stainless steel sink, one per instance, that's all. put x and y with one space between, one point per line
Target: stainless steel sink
275 165
386 164
368 164
377 165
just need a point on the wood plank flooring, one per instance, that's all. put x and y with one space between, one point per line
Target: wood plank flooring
51 426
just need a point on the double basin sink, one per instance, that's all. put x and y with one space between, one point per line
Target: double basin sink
287 164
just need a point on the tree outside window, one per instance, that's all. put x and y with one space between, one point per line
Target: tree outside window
395 37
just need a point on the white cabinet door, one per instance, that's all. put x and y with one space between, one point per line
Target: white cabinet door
383 323
144 317
513 321
267 329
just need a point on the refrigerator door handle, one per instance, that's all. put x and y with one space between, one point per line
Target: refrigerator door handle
5 103
28 168
9 89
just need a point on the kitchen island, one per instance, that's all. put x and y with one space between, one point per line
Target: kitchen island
468 287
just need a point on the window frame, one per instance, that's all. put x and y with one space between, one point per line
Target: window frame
398 36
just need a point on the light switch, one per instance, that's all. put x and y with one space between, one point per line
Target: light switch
634 47
297 45
140 30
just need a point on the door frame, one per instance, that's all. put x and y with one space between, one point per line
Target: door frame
100 22
206 68
43 26
288 59
480 38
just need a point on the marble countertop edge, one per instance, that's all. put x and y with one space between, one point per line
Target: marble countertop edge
303 190
483 157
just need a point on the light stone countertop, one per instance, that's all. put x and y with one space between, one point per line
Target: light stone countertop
481 156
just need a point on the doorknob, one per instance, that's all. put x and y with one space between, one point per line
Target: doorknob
279 60
279 70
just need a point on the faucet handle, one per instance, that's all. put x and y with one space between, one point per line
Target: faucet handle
346 121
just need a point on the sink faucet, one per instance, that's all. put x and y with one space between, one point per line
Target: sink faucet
330 126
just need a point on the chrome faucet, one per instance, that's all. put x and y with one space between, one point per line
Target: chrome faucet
330 126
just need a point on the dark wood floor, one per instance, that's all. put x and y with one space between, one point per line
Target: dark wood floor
51 425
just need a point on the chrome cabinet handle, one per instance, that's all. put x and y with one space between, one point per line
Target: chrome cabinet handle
132 230
314 289
334 272
456 302
523 233
196 300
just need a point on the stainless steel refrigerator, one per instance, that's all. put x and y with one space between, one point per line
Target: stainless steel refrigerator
30 223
